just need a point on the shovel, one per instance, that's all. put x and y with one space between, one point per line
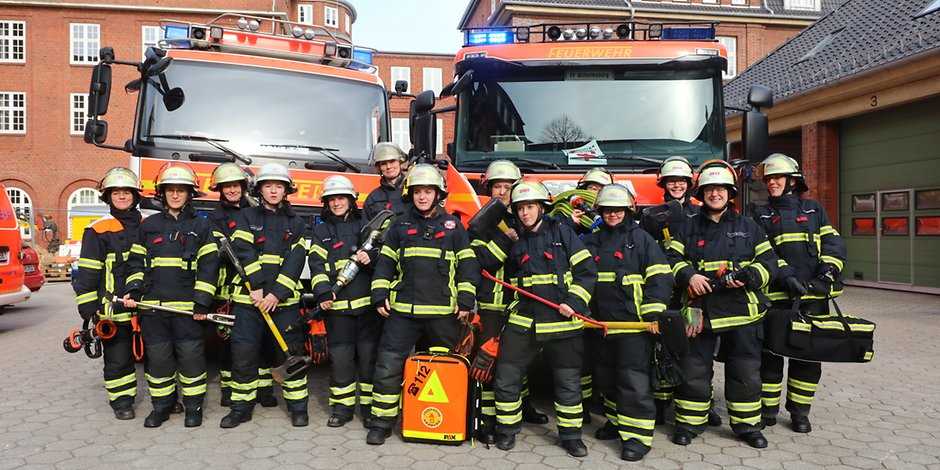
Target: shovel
220 318
293 364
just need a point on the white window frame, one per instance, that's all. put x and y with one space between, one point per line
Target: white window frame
331 17
78 113
9 112
401 133
400 73
731 44
10 38
492 6
709 1
439 137
155 33
803 5
739 2
348 23
89 47
432 78
305 13
20 199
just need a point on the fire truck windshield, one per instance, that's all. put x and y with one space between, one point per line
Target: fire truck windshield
567 117
263 112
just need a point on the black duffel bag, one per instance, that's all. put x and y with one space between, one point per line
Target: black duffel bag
833 338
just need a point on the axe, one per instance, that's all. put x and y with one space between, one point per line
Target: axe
220 318
293 364
670 327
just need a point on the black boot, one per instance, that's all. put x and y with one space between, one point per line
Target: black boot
531 415
193 417
124 413
633 451
574 447
800 424
586 416
337 420
505 441
487 432
377 436
661 406
769 421
714 419
177 408
607 432
754 439
156 418
234 418
299 419
266 398
226 400
682 437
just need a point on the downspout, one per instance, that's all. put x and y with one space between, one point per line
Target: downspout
632 10
768 7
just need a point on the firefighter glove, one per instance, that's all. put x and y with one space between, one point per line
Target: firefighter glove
482 368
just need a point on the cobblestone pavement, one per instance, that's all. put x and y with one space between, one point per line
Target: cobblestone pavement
53 413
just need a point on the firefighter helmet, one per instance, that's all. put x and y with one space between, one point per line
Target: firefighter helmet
424 174
338 185
674 166
502 170
177 173
227 173
780 164
716 172
275 172
118 177
530 191
616 195
385 151
597 176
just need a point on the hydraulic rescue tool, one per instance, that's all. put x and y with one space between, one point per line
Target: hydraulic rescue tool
220 318
83 338
372 235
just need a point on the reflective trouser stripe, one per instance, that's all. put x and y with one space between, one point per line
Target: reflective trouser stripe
244 391
694 413
745 412
524 393
509 413
636 428
193 386
568 416
225 378
125 386
295 389
385 405
265 380
770 395
161 386
610 410
365 393
587 386
343 395
800 392
488 403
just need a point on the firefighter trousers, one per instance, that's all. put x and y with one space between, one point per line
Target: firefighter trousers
399 336
249 346
492 326
352 340
265 381
120 375
593 348
174 350
742 350
802 376
564 355
624 374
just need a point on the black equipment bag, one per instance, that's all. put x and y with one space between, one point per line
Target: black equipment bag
834 338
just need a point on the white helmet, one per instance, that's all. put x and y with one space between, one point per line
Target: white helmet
275 172
716 172
674 166
338 185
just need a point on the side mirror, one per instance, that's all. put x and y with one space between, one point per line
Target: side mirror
99 92
451 150
158 67
401 86
173 99
754 129
96 131
423 126
760 96
461 84
424 102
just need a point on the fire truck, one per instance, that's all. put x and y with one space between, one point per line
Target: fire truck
252 90
558 99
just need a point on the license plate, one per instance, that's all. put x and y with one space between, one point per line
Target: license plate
29 268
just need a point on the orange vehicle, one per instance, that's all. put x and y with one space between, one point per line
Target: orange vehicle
250 90
12 288
558 99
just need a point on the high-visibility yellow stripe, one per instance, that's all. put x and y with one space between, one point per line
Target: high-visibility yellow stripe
678 246
655 269
350 305
833 261
694 405
791 237
828 230
135 277
168 262
206 249
205 287
120 381
380 284
89 263
581 292
762 248
466 287
252 267
744 406
287 282
496 251
271 259
465 253
606 276
318 250
139 249
578 257
86 297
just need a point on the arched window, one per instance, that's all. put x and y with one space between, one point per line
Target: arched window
84 197
23 205
84 207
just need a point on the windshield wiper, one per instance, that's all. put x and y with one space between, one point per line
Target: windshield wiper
530 161
217 143
325 151
624 156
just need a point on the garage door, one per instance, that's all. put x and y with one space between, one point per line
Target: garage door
890 195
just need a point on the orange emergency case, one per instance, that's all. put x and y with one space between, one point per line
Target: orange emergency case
435 404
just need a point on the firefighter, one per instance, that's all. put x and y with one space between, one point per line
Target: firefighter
724 260
663 222
634 283
426 273
492 298
389 160
269 242
811 254
102 272
231 182
352 325
174 263
550 260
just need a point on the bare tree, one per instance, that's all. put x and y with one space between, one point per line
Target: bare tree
563 130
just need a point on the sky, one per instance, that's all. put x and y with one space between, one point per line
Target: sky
409 25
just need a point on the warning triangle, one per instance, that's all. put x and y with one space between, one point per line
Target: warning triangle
433 391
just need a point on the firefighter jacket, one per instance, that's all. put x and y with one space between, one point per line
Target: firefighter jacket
175 261
634 280
656 220
733 243
491 296
224 221
426 267
270 245
332 242
102 264
386 196
804 241
552 263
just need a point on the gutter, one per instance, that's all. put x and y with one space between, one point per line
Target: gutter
139 8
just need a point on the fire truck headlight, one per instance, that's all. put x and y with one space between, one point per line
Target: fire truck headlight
623 31
595 33
254 25
581 33
569 33
554 33
608 33
242 23
655 31
309 33
522 34
216 32
297 31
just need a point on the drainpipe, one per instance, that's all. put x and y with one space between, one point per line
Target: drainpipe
768 7
632 10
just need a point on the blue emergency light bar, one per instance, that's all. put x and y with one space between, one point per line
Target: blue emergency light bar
484 38
688 34
176 31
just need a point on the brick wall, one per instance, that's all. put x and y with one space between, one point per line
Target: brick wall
820 165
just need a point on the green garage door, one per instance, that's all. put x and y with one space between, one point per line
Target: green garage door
890 195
